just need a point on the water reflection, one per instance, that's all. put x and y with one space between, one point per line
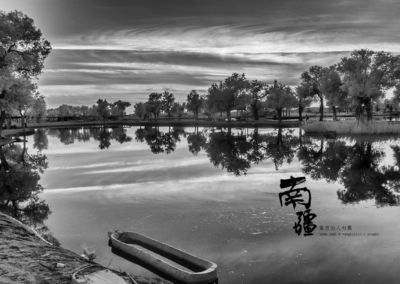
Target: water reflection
20 187
103 135
196 141
354 163
160 141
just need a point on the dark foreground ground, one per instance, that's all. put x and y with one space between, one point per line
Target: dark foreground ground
25 258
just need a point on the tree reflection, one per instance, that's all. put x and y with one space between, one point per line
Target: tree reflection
229 151
160 141
357 165
40 140
363 179
256 154
196 141
20 187
281 146
103 135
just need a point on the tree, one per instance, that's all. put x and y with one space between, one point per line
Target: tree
120 107
103 109
304 98
257 92
214 102
366 74
396 97
279 97
140 110
65 110
154 104
17 95
311 79
228 95
23 49
22 54
38 109
234 96
331 86
167 102
178 110
194 103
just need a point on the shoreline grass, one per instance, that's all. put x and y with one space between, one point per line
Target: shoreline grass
352 127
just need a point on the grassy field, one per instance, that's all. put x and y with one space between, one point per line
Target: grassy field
352 127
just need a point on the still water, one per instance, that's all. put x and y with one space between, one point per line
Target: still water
214 193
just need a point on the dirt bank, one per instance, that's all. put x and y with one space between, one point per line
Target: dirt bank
25 258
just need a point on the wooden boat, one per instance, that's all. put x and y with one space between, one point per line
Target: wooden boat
93 274
177 264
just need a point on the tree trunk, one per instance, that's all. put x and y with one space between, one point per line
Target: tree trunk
24 152
4 164
368 109
228 115
300 113
255 111
321 108
22 119
334 113
279 111
2 119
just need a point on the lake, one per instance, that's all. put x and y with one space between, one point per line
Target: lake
215 194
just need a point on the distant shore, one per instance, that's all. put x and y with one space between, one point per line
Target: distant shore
344 126
172 122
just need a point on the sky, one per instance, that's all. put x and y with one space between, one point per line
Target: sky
126 49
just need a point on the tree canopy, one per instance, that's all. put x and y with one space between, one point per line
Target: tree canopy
279 97
311 79
23 50
194 103
365 75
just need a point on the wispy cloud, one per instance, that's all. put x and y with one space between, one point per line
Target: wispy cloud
190 44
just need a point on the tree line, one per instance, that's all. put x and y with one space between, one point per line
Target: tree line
101 110
358 82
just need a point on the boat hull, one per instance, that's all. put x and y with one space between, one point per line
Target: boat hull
137 246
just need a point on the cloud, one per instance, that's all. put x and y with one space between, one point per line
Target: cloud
86 75
186 45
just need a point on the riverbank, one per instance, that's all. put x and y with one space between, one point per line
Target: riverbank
164 122
352 127
26 258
